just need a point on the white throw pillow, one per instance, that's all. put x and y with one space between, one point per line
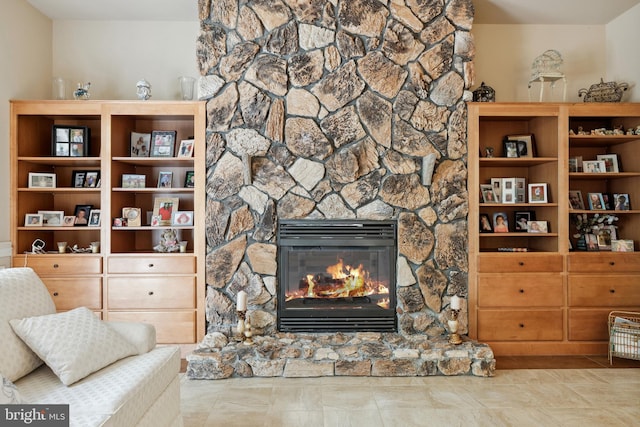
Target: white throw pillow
74 343
8 392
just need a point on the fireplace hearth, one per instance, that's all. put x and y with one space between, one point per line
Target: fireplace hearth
336 275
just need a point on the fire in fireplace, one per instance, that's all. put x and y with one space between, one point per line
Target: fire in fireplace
336 275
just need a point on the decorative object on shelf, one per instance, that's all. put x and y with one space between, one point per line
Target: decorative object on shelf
95 247
70 141
537 227
133 216
42 180
546 69
484 93
575 199
488 152
621 245
133 180
62 247
485 224
165 179
59 88
52 218
621 202
186 148
82 214
454 305
143 90
82 92
94 218
610 162
596 202
586 225
183 246
186 87
140 143
525 144
243 329
33 220
538 193
164 208
168 241
604 92
189 179
182 218
522 219
500 222
162 143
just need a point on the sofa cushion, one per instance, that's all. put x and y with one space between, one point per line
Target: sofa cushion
8 392
74 343
22 294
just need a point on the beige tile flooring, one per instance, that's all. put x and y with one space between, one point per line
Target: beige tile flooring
591 396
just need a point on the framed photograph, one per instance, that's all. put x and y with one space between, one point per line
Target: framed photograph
165 179
42 180
596 202
140 143
189 179
538 193
487 193
52 218
82 215
575 164
77 178
575 199
525 144
155 220
182 218
591 241
496 183
521 190
70 141
133 216
537 227
91 179
621 202
521 220
610 162
509 190
94 218
163 143
485 224
164 208
68 221
594 166
33 220
186 148
621 245
608 201
133 180
119 222
510 148
500 222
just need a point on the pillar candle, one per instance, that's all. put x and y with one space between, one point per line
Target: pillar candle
455 302
241 304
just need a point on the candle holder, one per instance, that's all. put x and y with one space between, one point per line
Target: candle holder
244 328
454 338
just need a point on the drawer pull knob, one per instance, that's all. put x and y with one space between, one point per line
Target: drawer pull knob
150 265
522 291
55 266
613 291
55 294
521 325
521 263
150 292
612 263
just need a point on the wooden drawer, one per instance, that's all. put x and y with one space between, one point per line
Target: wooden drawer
604 290
520 325
175 327
519 263
604 262
70 264
521 290
163 264
588 325
152 292
72 292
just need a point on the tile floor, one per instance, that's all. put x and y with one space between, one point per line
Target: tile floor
526 391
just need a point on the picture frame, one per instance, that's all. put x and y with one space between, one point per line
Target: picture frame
525 144
610 162
621 202
621 245
575 199
592 242
510 148
70 141
496 183
68 221
165 179
182 218
500 222
189 179
537 227
594 166
596 202
486 190
33 220
162 143
509 190
42 180
52 218
485 224
119 222
77 179
538 192
164 208
81 214
133 216
186 148
94 218
604 240
133 180
575 164
155 221
140 143
91 179
521 220
608 201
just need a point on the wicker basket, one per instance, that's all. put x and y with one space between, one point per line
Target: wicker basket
624 335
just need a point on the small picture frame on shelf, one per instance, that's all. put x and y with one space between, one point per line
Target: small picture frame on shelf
592 242
163 143
68 221
525 144
500 222
155 220
133 216
575 164
496 183
94 218
33 220
70 141
621 202
521 220
594 166
485 224
52 218
182 218
510 149
82 215
165 179
164 208
133 180
604 237
596 202
189 179
575 199
509 190
140 143
538 193
186 148
487 193
537 227
119 222
42 180
91 179
77 179
610 162
621 245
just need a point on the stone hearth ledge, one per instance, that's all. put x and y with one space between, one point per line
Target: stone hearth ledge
304 355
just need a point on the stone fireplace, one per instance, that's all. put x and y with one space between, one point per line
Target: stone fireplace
335 110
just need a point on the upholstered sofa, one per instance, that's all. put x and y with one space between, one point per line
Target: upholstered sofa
109 373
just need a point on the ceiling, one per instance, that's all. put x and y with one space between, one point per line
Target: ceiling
551 12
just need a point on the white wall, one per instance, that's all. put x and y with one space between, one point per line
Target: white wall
622 60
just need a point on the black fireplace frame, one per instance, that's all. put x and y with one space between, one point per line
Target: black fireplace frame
331 233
